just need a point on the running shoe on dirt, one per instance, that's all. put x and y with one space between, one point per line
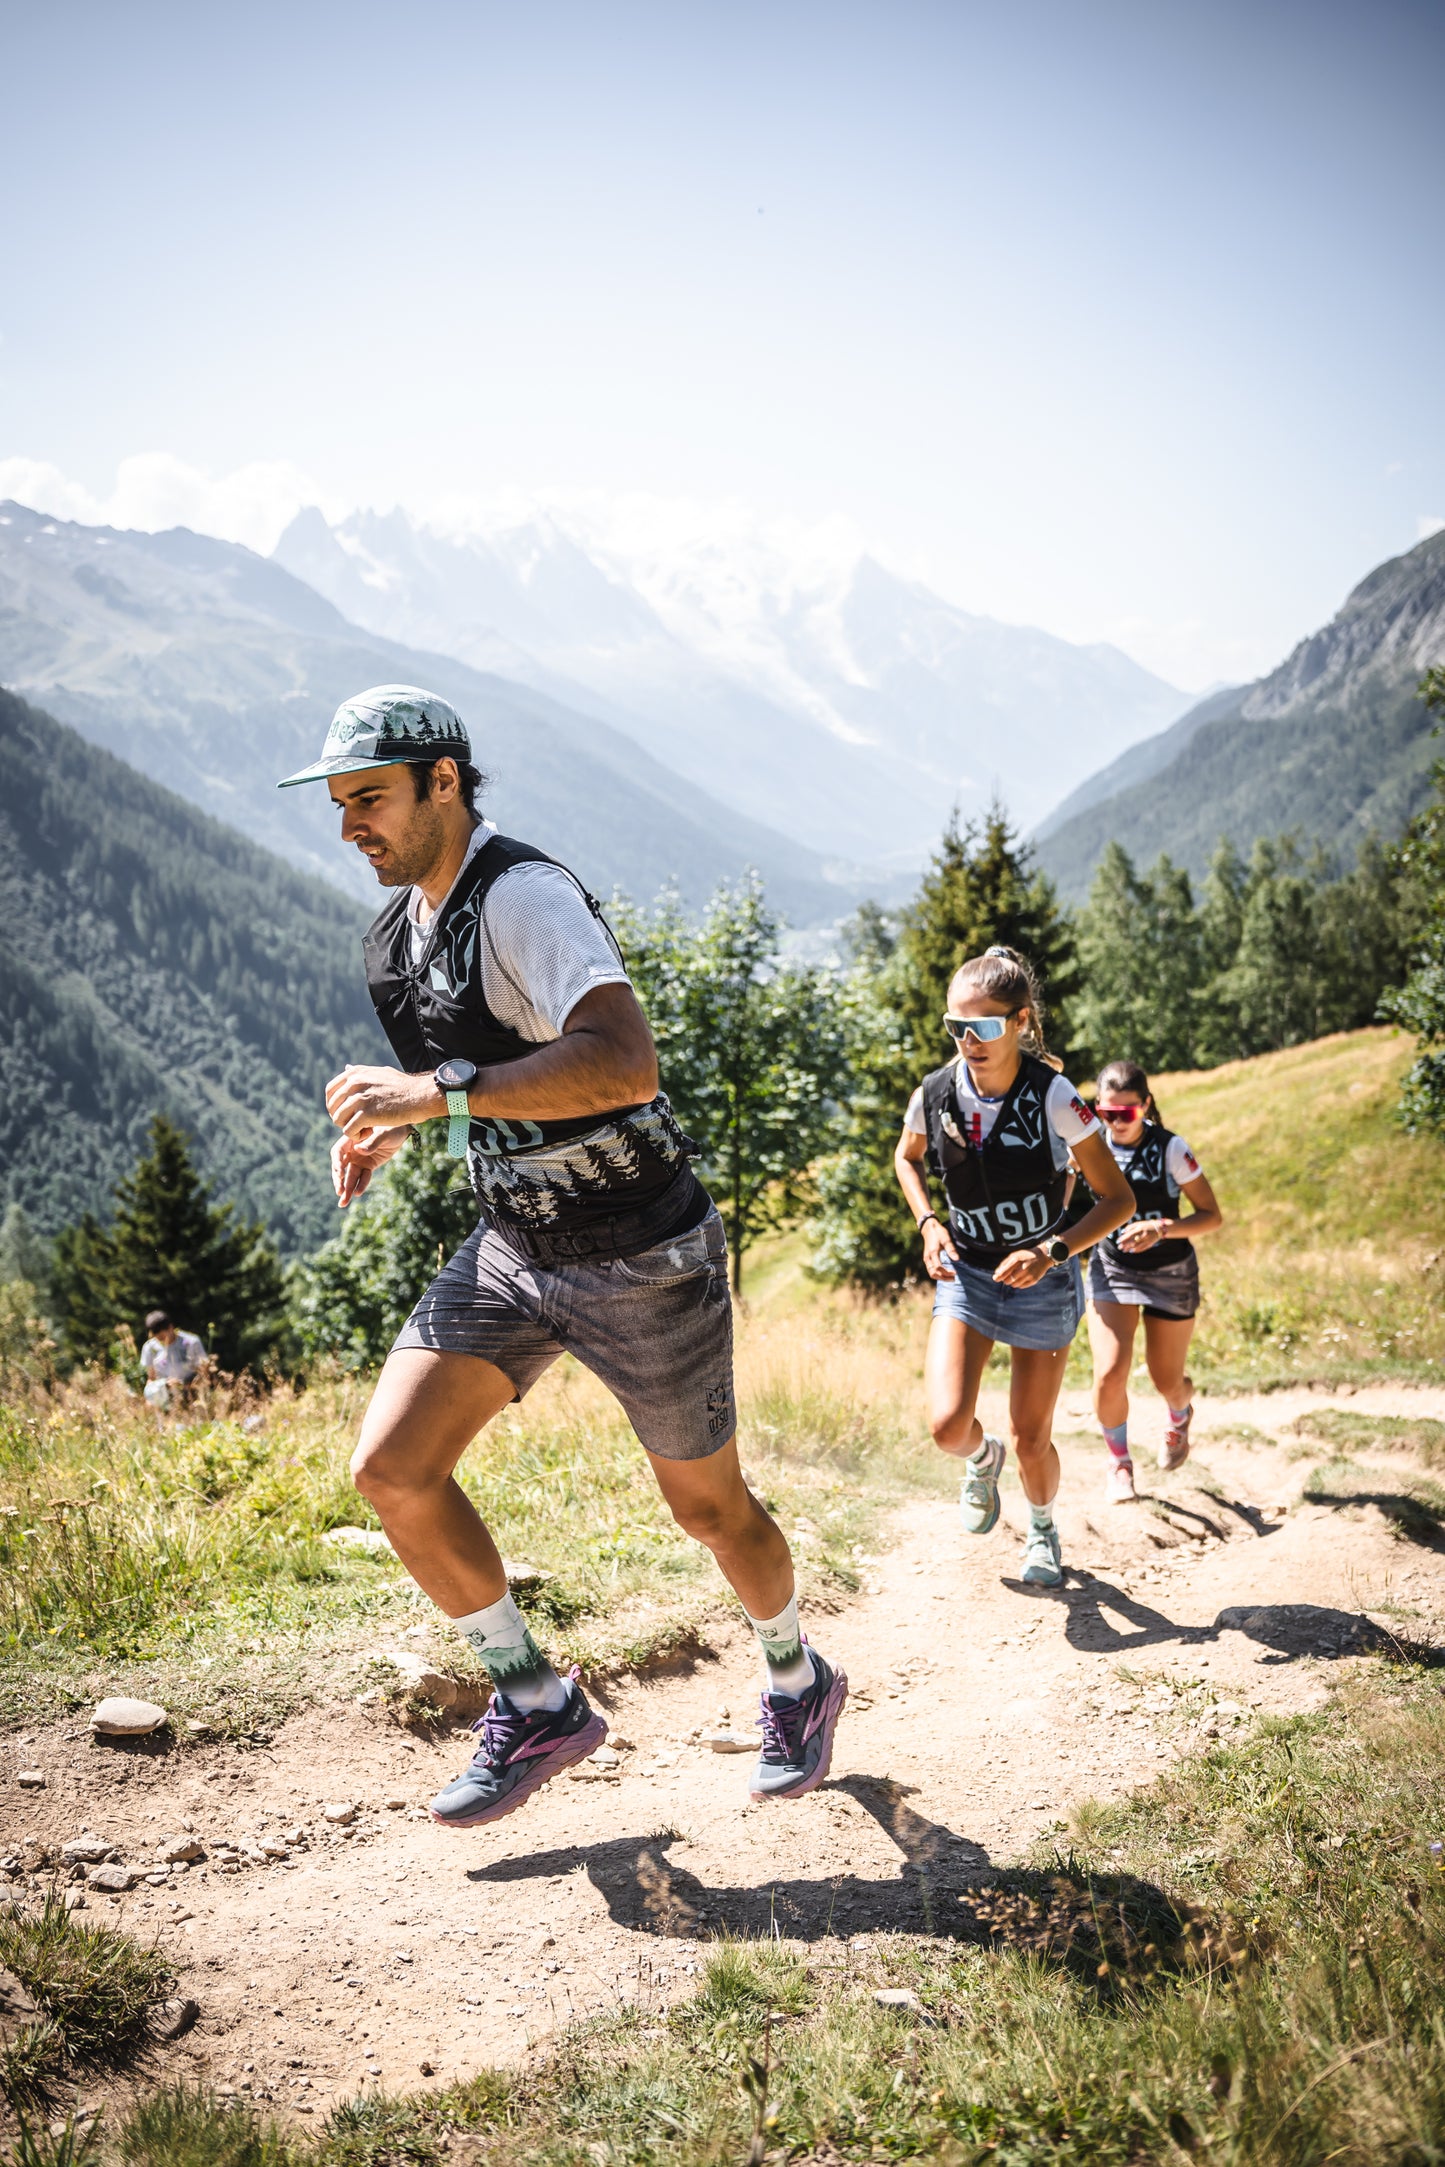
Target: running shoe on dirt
1120 1483
517 1755
798 1734
1175 1449
1042 1566
978 1499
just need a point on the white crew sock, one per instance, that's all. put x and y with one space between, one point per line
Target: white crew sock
789 1665
515 1664
1041 1516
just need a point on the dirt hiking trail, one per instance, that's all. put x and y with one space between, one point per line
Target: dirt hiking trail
385 1951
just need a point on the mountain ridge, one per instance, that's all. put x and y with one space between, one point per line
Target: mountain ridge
198 661
1334 742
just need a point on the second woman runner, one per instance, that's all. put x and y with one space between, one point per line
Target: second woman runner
995 1127
1150 1265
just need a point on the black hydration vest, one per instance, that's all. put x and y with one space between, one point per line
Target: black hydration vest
1008 1192
1145 1167
433 1008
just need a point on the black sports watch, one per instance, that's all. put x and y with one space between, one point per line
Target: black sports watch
454 1079
1056 1249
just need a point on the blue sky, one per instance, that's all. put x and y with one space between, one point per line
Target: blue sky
1121 319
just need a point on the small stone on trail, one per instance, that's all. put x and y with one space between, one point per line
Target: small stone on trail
897 1997
730 1742
120 1717
427 2069
174 2017
521 1575
88 1850
423 1681
358 1538
178 1850
31 1779
113 1880
606 1757
74 1900
339 1814
200 1730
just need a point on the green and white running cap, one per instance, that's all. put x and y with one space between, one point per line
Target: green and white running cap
388 724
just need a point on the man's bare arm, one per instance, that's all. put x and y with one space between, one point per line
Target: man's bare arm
604 1060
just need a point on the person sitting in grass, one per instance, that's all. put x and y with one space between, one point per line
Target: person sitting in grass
169 1358
1148 1265
995 1127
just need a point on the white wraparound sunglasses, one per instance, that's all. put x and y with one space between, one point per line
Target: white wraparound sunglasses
982 1027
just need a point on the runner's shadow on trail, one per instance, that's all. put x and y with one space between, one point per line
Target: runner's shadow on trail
945 1886
1104 1620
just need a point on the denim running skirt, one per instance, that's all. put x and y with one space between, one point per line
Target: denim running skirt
1044 1317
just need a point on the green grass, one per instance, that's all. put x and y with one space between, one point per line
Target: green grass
93 1988
189 1562
1245 1962
1331 1265
1350 1432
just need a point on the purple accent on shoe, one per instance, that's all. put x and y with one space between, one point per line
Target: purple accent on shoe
518 1754
797 1733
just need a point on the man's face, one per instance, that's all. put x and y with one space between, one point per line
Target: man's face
401 836
166 1334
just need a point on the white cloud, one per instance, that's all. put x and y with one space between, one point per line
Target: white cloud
1427 524
153 490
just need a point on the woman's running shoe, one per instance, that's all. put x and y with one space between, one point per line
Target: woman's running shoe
978 1499
1175 1449
1043 1567
1120 1482
517 1755
798 1734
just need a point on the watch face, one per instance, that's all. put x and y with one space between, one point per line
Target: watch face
456 1075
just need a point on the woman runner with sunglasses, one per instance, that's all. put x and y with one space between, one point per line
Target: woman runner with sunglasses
1150 1265
995 1127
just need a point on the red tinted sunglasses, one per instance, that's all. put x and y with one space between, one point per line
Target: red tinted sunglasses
1123 1115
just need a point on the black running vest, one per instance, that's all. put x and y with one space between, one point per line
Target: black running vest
433 1008
1146 1169
1008 1192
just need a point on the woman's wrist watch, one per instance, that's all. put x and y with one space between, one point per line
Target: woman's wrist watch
454 1079
1056 1249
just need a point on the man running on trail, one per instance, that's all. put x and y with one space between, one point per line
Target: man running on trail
508 1007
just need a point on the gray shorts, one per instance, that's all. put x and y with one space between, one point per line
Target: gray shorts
1170 1290
656 1328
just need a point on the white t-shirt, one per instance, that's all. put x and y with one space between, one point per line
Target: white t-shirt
541 950
1070 1117
177 1362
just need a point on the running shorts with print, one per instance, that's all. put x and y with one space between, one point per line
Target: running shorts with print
1043 1317
657 1328
1170 1290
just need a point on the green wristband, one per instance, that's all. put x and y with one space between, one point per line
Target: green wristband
459 1124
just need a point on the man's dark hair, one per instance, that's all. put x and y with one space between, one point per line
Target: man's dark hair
471 778
157 1321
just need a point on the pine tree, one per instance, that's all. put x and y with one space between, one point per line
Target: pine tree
168 1247
1140 957
980 891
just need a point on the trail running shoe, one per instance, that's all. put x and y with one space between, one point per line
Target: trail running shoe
1175 1449
1120 1482
978 1499
1042 1567
798 1734
517 1755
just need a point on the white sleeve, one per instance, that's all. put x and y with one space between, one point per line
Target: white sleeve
913 1119
542 949
1182 1164
1070 1117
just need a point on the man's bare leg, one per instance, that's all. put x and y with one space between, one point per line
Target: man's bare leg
425 1411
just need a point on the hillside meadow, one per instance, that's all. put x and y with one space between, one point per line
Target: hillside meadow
192 1558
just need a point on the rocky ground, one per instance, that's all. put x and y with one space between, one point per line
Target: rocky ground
335 1939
